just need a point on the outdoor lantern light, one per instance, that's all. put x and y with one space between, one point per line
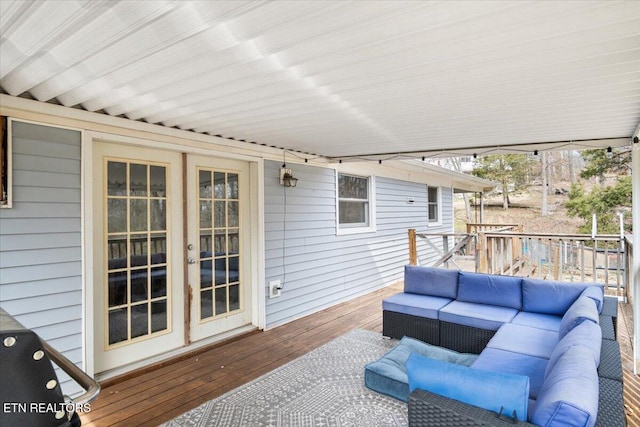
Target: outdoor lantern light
287 179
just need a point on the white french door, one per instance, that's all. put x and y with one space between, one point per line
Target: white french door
218 244
140 256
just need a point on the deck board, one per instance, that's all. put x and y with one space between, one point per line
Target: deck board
631 382
153 396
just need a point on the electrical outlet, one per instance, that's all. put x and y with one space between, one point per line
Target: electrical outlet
274 288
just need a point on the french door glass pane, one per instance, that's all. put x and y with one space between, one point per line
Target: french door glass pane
219 219
232 186
138 180
139 320
117 179
118 329
117 222
137 280
158 181
221 300
158 316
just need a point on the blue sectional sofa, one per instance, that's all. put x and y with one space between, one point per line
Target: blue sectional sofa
545 351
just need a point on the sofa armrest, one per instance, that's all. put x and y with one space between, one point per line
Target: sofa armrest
429 409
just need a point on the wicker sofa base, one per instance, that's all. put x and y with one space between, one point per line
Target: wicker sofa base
464 339
427 409
461 338
397 325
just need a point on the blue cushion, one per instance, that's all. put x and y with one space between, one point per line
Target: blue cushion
415 305
549 297
496 360
549 322
584 308
587 335
505 291
494 391
388 374
525 340
569 394
438 282
596 293
482 316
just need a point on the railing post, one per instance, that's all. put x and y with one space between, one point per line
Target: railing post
413 254
556 262
516 244
445 247
628 270
481 253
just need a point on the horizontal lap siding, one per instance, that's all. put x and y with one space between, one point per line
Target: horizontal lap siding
319 268
40 240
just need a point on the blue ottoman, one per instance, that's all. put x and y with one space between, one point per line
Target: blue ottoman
388 375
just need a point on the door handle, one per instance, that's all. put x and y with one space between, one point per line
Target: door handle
191 260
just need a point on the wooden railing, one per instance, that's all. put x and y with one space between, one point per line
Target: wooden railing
628 241
504 249
474 228
564 257
462 247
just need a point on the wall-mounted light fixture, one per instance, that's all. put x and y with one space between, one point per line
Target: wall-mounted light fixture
287 179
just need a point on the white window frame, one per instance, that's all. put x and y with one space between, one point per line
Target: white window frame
357 229
437 222
8 173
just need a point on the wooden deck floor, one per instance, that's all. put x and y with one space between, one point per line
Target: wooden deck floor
156 395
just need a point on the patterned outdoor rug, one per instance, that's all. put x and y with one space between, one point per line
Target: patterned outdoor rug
322 388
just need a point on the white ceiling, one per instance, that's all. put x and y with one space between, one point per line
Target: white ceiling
361 79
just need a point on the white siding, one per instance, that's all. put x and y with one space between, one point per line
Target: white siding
319 268
40 239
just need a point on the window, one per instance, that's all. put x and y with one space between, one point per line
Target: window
5 164
355 204
433 203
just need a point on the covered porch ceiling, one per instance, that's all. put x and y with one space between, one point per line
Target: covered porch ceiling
362 80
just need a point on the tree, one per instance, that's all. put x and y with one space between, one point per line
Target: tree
545 185
598 163
510 170
605 201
